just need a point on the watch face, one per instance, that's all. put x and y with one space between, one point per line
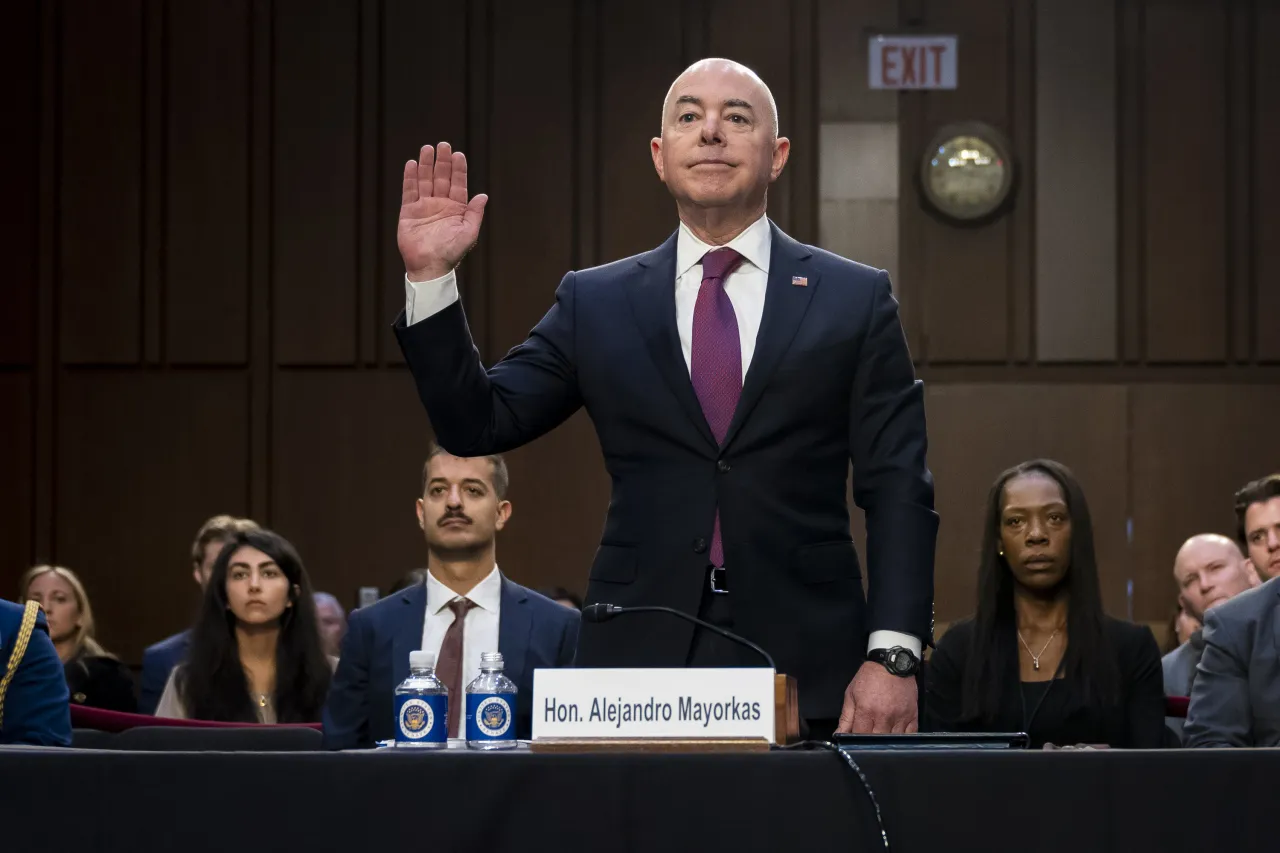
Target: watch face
967 173
901 662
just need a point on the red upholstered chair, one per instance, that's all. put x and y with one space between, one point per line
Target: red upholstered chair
144 732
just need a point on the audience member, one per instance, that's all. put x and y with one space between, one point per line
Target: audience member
332 620
465 607
1209 569
95 677
159 660
1039 655
1184 625
1258 517
33 690
255 653
1235 699
562 596
413 577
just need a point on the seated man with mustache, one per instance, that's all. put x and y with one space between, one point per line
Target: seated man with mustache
464 607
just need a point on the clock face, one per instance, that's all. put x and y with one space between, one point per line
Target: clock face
967 175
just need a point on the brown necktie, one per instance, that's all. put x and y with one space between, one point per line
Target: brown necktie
450 665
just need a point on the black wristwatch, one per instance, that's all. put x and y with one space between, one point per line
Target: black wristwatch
899 661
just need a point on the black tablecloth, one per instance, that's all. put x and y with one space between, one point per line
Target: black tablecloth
88 800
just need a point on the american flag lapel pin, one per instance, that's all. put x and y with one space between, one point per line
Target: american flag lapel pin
800 281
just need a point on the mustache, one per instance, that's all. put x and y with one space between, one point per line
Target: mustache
452 516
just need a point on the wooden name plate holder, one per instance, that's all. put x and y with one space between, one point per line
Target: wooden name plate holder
786 725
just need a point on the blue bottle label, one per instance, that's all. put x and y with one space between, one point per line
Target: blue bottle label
422 719
490 716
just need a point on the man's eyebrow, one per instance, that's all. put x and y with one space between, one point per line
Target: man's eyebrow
731 102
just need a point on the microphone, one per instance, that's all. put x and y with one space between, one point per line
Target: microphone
605 612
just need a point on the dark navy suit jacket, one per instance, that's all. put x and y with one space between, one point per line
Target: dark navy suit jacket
533 632
830 381
157 662
37 705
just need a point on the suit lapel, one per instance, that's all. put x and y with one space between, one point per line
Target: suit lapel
408 630
785 304
1275 624
514 625
652 294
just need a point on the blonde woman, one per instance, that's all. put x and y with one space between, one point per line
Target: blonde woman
94 676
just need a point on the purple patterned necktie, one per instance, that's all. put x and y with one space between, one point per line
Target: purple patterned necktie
716 360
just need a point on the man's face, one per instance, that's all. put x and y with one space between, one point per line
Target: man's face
204 568
459 512
333 625
1210 571
718 145
1262 535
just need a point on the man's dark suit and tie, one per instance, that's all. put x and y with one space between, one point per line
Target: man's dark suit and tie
731 374
464 607
535 632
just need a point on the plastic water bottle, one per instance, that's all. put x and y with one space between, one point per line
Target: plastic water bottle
422 706
491 706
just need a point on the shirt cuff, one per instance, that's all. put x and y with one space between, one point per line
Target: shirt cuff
889 639
422 299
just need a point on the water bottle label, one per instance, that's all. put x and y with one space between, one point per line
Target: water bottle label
422 719
490 716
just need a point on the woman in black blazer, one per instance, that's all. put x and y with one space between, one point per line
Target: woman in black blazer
1040 656
95 677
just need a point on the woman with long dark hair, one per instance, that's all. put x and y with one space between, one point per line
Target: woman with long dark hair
1039 655
255 655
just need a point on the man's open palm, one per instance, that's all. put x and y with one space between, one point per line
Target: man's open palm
438 226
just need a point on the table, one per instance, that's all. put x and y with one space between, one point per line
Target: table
1091 802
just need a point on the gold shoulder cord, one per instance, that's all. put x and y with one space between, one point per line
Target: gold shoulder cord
19 649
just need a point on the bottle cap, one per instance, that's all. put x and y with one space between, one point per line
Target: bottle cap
491 660
422 660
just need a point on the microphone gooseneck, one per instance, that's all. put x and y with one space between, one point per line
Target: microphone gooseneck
601 612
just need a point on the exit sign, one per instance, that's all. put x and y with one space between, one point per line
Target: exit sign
912 62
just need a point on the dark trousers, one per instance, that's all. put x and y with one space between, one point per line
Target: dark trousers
711 650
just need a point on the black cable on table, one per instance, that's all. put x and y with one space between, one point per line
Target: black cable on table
862 777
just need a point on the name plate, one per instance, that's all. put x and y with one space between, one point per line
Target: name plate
653 703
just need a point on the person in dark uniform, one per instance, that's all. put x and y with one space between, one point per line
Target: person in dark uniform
33 692
95 677
1040 656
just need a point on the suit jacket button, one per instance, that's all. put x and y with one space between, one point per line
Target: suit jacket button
699 546
723 466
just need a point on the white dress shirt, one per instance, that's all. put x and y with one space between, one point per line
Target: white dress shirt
479 632
746 287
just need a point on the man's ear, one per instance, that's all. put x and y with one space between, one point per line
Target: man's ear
420 508
655 151
504 514
781 152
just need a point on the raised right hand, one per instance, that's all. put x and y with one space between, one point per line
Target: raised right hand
438 226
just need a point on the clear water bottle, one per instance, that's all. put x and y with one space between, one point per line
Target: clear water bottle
491 706
422 706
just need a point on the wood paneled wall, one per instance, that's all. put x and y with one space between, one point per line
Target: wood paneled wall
201 270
